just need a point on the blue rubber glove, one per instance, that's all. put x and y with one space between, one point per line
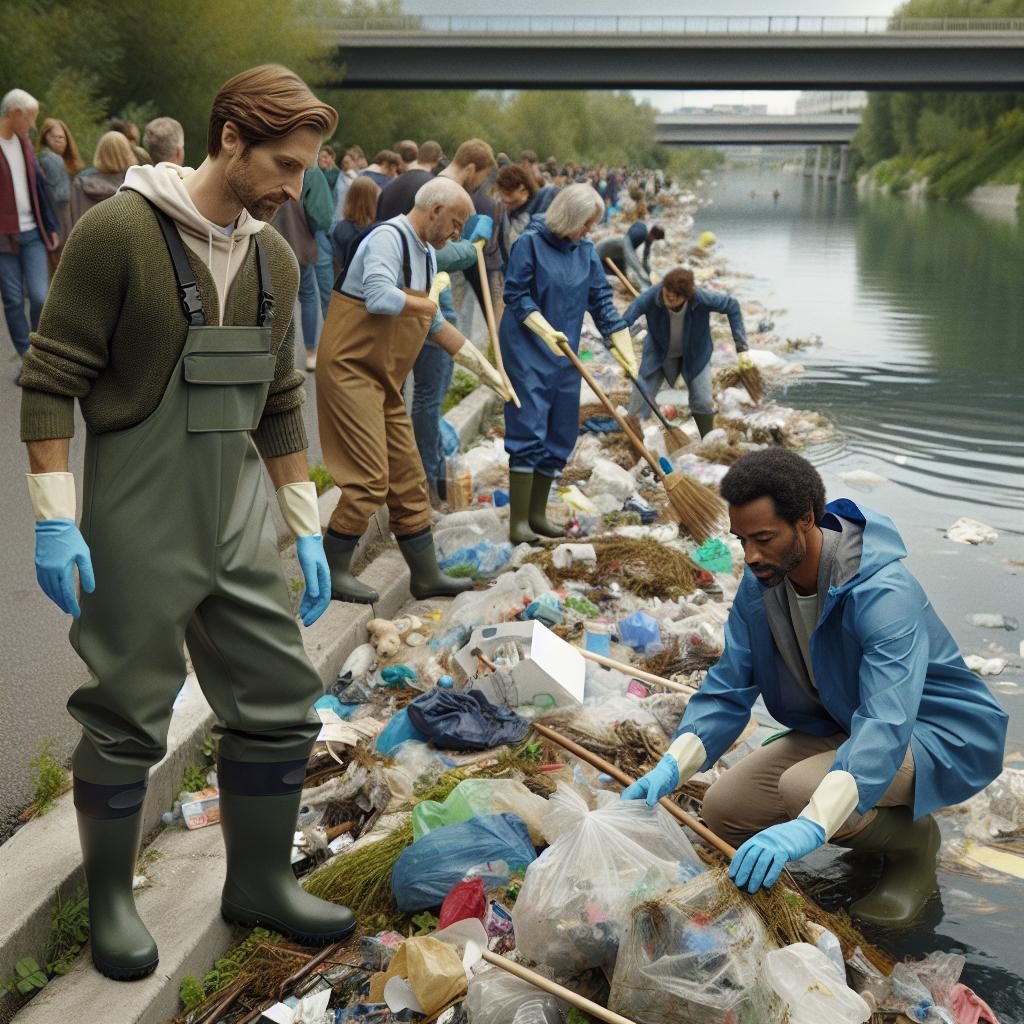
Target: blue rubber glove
479 226
761 859
60 546
660 781
317 573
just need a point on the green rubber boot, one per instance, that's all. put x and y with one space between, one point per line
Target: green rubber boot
109 823
539 507
705 422
520 492
338 548
910 849
426 579
259 804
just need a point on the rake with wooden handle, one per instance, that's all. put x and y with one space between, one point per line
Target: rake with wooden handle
622 277
491 326
696 508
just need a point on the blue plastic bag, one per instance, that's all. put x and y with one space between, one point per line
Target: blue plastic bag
639 630
426 871
449 439
396 732
465 720
484 558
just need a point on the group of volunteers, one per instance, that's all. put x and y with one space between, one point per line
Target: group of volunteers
169 320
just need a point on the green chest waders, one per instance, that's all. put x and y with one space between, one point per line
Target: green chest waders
184 549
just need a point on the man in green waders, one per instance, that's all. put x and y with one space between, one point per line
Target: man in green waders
170 320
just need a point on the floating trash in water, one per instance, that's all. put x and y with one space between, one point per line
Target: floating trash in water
969 902
985 666
992 620
862 479
970 531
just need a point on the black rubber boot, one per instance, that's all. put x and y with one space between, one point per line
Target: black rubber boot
338 548
109 823
259 804
426 579
910 849
520 491
539 507
705 422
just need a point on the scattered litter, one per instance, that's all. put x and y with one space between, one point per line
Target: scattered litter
384 637
991 620
970 531
641 632
984 666
813 987
566 555
862 479
464 720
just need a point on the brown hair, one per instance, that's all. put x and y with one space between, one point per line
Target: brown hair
266 103
114 154
407 150
430 152
388 156
679 282
656 233
73 161
511 176
528 156
474 153
361 201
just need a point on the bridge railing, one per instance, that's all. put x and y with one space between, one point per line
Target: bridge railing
672 24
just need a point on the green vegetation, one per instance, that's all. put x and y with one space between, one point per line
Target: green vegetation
194 778
321 477
957 140
50 778
193 991
463 384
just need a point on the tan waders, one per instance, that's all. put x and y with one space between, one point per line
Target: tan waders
367 438
184 550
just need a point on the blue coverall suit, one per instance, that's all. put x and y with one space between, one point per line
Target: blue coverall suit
562 279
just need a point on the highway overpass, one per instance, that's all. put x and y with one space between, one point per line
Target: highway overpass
580 52
751 130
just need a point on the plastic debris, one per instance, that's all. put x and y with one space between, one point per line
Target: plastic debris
566 555
862 479
497 997
991 620
713 555
464 720
813 986
384 637
644 509
485 558
474 797
609 478
970 531
984 666
398 731
640 631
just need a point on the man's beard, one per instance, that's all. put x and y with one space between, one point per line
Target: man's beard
256 203
778 572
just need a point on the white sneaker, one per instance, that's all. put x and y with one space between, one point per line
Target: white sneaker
310 360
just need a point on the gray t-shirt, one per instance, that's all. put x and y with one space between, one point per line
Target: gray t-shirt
804 613
675 333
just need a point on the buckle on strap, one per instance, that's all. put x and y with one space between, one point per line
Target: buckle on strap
264 309
192 303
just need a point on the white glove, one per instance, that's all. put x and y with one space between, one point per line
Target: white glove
298 504
473 359
622 350
536 322
442 281
834 800
689 752
52 495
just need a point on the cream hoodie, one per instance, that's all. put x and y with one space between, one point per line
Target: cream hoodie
223 250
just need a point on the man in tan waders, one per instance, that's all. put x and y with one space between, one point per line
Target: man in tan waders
169 319
381 313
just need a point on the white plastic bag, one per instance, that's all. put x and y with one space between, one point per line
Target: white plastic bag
813 986
577 895
608 477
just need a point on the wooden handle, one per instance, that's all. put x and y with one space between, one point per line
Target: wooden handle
485 291
612 411
622 277
538 980
620 776
629 670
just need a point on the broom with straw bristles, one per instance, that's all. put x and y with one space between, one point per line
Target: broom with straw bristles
750 378
786 911
696 508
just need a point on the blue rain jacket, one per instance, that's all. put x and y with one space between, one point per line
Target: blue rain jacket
697 344
888 673
562 279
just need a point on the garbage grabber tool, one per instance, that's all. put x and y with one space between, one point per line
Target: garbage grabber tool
675 439
492 327
695 507
622 277
786 914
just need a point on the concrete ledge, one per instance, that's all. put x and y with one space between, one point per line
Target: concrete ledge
182 906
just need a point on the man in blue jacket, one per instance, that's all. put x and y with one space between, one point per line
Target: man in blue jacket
679 341
631 252
885 723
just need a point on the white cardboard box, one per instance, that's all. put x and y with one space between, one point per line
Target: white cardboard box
552 673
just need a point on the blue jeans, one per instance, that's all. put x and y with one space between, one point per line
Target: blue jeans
25 271
324 269
699 387
309 306
432 377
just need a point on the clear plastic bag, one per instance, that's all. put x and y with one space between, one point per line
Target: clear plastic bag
497 997
473 797
692 957
577 896
813 986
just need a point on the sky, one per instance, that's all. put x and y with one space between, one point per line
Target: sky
778 101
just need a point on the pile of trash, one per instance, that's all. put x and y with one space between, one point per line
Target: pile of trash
496 876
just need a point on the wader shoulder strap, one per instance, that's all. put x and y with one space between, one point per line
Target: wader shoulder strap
188 290
265 295
406 259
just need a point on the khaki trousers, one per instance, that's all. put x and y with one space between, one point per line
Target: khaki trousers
775 783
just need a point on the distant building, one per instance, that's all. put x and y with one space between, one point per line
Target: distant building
847 102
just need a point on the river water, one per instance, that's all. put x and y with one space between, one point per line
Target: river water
920 308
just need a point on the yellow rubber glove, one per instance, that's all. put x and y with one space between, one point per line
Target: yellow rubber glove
473 359
743 358
536 322
622 350
441 282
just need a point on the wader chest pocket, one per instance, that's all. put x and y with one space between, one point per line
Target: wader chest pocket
227 391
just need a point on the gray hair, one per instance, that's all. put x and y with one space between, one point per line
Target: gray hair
441 192
18 99
572 208
163 138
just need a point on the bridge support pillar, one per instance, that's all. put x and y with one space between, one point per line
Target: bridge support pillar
844 164
817 162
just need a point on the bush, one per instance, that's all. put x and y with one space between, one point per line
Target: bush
463 384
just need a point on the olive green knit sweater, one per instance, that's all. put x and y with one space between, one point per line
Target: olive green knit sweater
112 329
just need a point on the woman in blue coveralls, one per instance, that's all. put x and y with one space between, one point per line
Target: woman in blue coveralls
553 278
